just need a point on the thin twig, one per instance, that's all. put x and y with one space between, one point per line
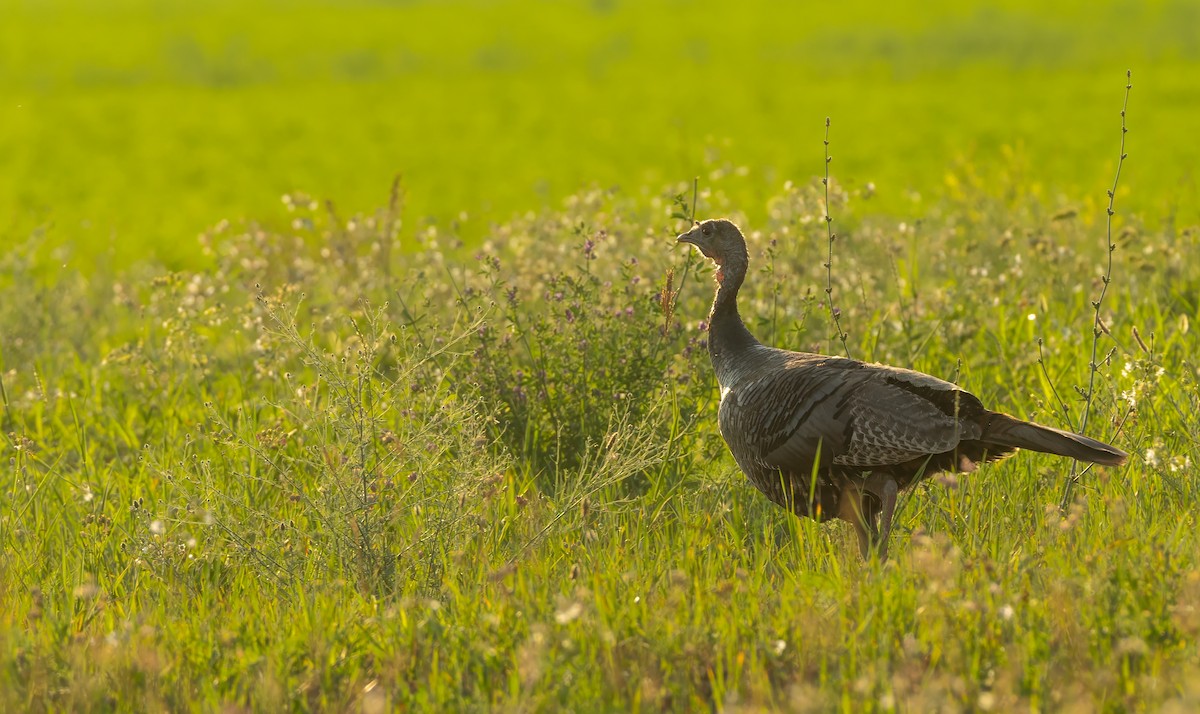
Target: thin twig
669 295
1097 325
1045 373
834 313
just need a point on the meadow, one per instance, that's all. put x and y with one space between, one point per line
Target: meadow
130 126
448 442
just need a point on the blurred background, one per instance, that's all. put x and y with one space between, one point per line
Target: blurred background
129 126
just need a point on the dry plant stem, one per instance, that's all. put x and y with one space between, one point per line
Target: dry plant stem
1045 373
5 417
687 266
1097 324
391 225
833 313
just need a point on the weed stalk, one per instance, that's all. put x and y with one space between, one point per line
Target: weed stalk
1098 326
834 313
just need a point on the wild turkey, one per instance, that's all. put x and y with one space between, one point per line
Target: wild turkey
830 437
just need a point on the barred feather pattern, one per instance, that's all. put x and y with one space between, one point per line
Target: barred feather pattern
804 427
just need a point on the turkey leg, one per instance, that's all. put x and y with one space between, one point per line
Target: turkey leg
857 510
873 527
884 486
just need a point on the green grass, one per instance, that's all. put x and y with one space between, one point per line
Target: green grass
130 127
391 457
330 475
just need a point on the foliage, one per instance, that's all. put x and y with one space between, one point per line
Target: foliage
346 468
130 125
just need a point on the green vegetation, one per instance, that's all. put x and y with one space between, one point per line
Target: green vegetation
327 473
360 457
129 126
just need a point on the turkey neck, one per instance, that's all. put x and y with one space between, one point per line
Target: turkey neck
727 334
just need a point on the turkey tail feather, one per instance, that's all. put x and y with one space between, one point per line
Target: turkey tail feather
1008 431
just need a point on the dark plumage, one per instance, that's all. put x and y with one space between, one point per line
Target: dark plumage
830 437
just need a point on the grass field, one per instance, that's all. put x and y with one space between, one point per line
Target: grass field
453 447
131 126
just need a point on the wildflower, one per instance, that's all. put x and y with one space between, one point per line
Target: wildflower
1150 456
568 613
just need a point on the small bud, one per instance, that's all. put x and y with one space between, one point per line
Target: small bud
1138 338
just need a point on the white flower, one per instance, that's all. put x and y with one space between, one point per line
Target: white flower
1150 456
157 527
568 613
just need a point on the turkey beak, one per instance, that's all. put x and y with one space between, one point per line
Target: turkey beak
692 236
